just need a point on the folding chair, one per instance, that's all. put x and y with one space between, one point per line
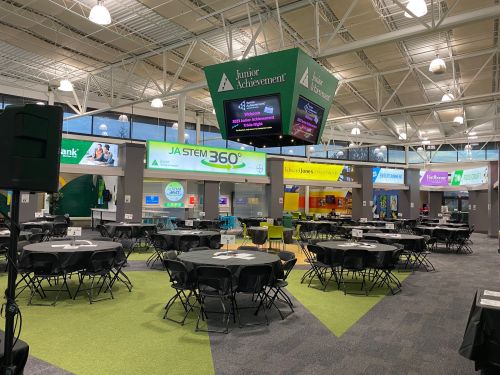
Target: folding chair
100 266
278 286
181 282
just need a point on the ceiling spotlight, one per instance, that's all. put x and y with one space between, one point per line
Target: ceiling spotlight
356 131
437 66
383 147
65 85
99 14
340 154
458 120
468 147
40 103
175 125
103 127
352 144
123 118
448 97
157 103
402 136
417 7
420 149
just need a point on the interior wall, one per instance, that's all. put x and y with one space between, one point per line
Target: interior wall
249 200
478 201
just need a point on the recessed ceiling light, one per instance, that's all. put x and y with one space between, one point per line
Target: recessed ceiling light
40 103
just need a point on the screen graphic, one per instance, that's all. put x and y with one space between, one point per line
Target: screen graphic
308 119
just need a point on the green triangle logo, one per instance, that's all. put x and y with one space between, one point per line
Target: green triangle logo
154 163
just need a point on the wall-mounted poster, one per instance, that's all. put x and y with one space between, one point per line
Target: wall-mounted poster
75 151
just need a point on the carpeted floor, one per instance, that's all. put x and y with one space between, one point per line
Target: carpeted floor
415 332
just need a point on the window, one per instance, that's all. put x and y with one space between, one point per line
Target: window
377 154
239 146
270 150
317 151
81 125
360 154
144 128
294 150
491 151
108 125
396 154
213 139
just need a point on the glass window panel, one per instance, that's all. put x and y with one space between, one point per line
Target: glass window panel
269 150
144 129
377 154
491 151
442 156
396 154
360 154
171 134
239 146
414 157
110 126
213 140
294 150
317 151
190 136
81 125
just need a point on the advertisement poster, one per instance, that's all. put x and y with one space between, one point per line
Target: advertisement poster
434 178
475 176
317 172
388 176
193 158
175 193
75 151
307 121
258 115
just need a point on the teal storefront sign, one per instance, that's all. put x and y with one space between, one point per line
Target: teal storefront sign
281 98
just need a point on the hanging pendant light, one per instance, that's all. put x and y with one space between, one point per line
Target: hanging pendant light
65 85
417 7
448 97
123 118
468 147
458 120
175 125
99 14
437 66
402 136
352 144
356 131
157 103
340 154
420 149
383 147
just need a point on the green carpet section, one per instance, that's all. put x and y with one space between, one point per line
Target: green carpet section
338 312
126 335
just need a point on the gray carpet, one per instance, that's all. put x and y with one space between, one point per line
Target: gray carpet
417 331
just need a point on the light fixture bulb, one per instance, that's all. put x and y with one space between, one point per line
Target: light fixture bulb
40 103
458 120
437 66
448 97
420 149
340 154
103 127
383 147
65 85
402 136
99 14
356 131
175 125
123 118
352 144
157 103
417 7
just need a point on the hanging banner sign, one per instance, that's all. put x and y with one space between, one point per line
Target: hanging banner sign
388 176
475 176
193 158
316 171
434 178
75 151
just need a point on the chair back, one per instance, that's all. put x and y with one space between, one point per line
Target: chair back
34 230
36 237
159 242
170 254
103 231
355 260
245 233
178 273
188 241
214 241
102 261
275 232
59 229
318 252
288 266
263 224
44 263
128 245
254 279
213 278
285 255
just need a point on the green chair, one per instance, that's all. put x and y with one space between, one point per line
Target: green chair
295 215
264 224
296 234
244 232
275 234
287 221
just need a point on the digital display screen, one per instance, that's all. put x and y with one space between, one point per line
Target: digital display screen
307 121
255 116
152 199
223 201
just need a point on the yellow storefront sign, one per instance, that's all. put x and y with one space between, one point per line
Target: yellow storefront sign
312 171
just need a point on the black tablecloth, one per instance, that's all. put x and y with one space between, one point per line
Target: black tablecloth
201 223
450 225
19 353
343 246
71 259
173 236
43 225
481 342
430 230
409 241
252 221
135 228
259 235
366 228
206 258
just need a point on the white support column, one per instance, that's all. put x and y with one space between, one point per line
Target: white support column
198 129
306 199
182 118
51 98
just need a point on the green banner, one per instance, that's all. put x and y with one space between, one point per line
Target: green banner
456 177
286 95
193 158
74 151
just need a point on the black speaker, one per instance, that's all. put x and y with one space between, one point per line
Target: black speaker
30 147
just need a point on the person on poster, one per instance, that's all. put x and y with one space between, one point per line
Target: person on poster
97 154
107 156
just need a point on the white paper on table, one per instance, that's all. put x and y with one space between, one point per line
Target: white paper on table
491 293
367 246
348 244
489 302
223 257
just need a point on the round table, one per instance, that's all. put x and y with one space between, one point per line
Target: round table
235 261
135 229
410 241
344 245
253 221
450 225
173 236
259 235
43 225
71 258
366 228
430 230
201 223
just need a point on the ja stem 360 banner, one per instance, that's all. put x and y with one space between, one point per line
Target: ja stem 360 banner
74 151
193 158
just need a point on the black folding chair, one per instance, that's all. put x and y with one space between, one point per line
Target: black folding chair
46 267
254 280
384 266
103 231
214 241
188 241
277 288
215 283
354 261
36 237
182 283
317 257
100 266
59 229
160 245
120 263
